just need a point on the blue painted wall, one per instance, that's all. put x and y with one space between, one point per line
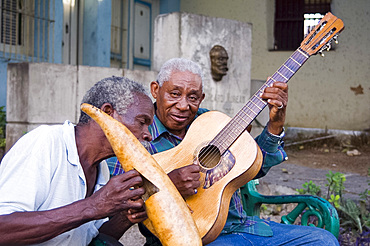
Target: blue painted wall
96 36
96 33
168 6
50 46
3 66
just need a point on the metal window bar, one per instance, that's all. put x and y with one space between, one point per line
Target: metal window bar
310 21
118 34
289 21
24 22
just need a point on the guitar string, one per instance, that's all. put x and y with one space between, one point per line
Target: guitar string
225 136
293 63
232 131
252 108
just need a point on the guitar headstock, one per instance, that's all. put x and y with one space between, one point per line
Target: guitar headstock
321 36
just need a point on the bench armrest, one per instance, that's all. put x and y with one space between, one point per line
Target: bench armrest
311 206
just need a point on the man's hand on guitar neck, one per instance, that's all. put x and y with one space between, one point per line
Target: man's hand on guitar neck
186 179
277 98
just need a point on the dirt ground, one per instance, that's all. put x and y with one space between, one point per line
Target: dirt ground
331 157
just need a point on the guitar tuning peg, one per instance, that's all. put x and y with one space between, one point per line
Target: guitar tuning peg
321 53
335 38
328 46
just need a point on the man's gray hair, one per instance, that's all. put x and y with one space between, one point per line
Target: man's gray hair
178 65
118 91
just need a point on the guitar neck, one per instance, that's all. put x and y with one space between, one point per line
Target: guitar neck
239 123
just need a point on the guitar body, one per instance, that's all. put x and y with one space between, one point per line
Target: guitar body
209 207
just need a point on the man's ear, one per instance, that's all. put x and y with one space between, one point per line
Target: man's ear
107 108
154 88
203 96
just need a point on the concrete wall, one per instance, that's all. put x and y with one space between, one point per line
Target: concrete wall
321 94
44 93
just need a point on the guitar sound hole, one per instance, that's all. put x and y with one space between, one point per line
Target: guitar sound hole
209 156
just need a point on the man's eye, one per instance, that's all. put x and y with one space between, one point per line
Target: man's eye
193 98
175 94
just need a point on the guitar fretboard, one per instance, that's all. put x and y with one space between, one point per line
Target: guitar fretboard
239 123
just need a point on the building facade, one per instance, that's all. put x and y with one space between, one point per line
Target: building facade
332 92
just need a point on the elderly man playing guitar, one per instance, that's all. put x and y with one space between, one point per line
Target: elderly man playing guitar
178 92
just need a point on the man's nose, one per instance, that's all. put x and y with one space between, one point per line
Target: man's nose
147 136
183 103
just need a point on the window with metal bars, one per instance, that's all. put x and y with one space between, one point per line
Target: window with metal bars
294 19
119 33
25 29
11 19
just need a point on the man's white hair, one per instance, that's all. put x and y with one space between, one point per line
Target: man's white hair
178 65
118 91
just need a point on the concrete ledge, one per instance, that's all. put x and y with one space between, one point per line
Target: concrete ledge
299 132
133 237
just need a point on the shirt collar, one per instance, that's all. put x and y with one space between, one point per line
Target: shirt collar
69 137
157 128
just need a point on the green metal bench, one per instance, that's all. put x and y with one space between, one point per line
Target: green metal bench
325 213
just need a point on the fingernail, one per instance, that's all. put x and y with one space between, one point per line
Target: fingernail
268 100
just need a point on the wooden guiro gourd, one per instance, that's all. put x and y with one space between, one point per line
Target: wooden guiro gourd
167 211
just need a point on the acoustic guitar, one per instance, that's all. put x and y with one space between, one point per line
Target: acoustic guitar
228 156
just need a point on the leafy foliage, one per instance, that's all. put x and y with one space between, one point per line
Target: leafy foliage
352 215
2 126
334 199
335 185
310 188
352 212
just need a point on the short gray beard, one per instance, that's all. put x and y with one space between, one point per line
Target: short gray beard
146 144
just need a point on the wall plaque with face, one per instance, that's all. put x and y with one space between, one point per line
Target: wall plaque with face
219 58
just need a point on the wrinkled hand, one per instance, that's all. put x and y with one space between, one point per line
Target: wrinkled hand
186 179
116 196
277 98
136 215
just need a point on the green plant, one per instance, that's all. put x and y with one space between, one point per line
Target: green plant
310 188
365 195
263 207
334 199
352 214
2 126
2 139
335 184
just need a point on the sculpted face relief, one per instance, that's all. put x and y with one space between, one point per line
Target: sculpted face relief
219 58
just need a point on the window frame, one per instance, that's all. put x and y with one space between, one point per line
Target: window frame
289 21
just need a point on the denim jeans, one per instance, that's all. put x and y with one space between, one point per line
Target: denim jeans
283 235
